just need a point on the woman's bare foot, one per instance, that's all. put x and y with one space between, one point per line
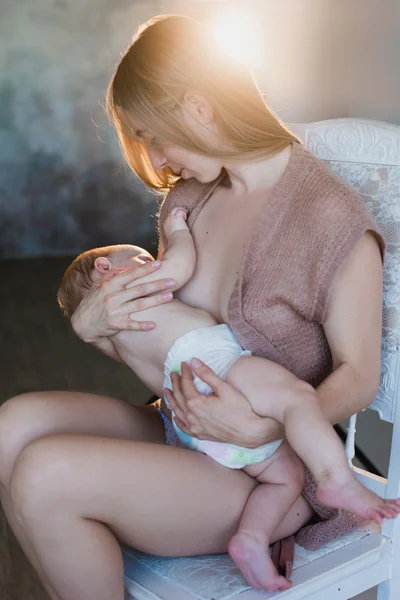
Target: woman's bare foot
251 556
355 498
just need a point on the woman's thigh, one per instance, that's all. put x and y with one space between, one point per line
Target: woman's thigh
33 415
158 499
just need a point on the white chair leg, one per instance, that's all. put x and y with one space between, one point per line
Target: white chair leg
390 589
386 590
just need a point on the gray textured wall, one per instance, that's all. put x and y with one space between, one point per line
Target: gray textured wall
332 58
63 185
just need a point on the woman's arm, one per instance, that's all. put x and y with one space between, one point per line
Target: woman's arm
353 330
223 416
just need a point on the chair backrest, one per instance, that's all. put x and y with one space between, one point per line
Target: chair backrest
366 154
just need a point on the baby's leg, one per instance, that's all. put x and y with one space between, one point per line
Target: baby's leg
309 433
281 478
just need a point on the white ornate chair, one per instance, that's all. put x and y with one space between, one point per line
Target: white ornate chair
367 155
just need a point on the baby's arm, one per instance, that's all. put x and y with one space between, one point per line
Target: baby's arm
178 262
179 258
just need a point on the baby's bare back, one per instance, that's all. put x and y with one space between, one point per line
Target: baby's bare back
145 351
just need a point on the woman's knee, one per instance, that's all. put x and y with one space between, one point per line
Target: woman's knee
38 479
37 414
19 425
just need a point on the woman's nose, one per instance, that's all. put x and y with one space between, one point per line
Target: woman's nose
157 158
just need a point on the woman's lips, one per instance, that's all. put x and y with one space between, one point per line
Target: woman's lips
179 172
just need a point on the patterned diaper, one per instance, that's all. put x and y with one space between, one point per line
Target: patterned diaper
218 348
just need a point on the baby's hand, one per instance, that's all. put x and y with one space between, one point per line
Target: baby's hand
175 221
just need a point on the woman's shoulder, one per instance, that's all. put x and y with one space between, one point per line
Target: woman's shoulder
321 220
322 203
321 188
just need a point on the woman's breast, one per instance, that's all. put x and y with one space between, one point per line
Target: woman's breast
213 279
219 253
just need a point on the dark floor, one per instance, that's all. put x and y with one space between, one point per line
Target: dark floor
38 348
39 351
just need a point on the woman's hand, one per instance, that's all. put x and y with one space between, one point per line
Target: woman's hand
223 416
110 305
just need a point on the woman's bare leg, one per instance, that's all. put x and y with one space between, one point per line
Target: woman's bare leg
159 499
33 415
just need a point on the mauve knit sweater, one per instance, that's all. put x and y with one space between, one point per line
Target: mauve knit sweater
303 234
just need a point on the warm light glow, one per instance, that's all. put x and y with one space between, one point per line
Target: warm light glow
236 34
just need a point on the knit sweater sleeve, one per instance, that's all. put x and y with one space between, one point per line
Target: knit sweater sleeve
301 239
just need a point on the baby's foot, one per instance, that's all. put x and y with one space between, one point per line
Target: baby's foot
175 221
251 556
355 498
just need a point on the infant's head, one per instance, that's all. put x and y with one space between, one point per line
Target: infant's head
92 266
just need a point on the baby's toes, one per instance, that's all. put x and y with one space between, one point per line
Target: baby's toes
283 584
385 510
393 507
389 513
377 516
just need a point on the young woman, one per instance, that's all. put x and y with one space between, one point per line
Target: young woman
287 255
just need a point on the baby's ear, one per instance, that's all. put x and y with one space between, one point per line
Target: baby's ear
102 265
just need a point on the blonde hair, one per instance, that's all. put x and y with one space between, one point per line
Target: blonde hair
77 280
169 56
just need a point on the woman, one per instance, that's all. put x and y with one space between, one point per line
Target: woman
287 256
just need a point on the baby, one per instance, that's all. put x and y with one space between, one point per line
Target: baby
183 333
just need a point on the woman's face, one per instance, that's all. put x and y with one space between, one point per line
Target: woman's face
184 162
197 115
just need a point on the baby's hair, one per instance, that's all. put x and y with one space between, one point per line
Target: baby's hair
77 279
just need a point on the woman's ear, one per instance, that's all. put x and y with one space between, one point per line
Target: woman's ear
199 107
102 265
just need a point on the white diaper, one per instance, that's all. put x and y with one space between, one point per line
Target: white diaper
218 348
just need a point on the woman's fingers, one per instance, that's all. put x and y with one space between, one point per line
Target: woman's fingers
179 397
109 307
181 425
138 291
121 301
207 375
129 323
189 389
130 275
123 316
132 300
176 409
